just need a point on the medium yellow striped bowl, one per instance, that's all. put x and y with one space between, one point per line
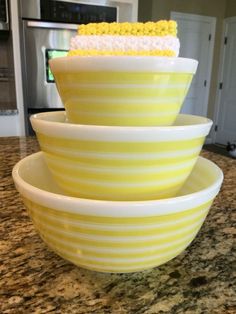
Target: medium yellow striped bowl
116 236
123 91
120 163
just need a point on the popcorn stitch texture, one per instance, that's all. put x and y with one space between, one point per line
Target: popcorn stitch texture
124 43
132 39
160 28
94 52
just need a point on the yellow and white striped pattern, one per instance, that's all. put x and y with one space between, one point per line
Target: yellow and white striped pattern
117 244
120 171
125 97
118 163
116 236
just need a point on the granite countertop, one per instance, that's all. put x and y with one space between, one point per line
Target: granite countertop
35 280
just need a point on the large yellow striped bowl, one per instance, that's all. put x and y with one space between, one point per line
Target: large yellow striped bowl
116 236
120 163
125 91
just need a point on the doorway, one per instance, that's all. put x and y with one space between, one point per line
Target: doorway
226 104
196 34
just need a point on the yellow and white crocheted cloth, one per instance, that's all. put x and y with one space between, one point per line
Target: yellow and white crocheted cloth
122 39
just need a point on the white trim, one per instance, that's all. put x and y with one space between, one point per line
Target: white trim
194 17
220 75
212 21
123 63
116 208
55 124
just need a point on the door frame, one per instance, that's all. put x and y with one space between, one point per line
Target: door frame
216 113
212 21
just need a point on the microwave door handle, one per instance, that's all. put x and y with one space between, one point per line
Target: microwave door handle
51 25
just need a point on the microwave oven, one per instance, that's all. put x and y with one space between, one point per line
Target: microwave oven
4 15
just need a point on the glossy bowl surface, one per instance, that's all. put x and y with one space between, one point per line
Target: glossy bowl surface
120 163
111 236
123 91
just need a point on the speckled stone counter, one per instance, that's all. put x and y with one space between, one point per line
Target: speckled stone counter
35 280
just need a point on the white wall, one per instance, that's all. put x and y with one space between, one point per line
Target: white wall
9 125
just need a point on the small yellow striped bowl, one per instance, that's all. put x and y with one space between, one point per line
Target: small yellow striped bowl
120 163
116 236
123 91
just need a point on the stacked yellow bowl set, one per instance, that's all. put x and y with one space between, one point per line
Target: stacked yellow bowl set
119 185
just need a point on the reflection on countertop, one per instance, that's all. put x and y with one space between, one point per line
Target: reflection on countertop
35 280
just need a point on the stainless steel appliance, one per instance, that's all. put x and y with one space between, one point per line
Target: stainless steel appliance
4 15
46 29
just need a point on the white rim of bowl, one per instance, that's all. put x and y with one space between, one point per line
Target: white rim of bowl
41 123
124 63
92 207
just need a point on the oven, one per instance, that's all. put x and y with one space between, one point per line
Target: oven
46 29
